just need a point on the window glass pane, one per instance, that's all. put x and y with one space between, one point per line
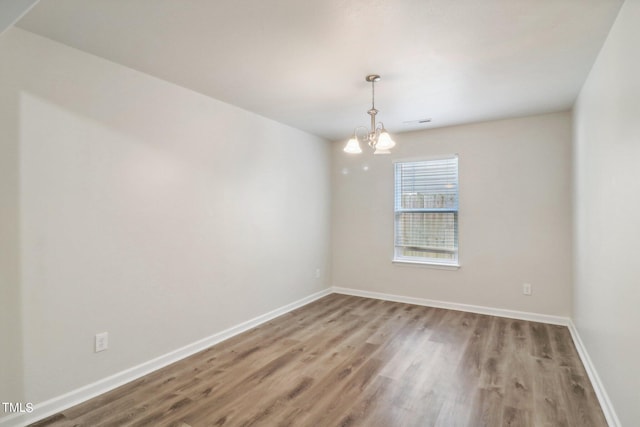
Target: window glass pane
426 211
427 184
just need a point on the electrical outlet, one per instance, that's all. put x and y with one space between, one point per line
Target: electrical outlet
102 341
317 273
526 289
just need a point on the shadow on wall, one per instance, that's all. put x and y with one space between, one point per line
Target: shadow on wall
12 393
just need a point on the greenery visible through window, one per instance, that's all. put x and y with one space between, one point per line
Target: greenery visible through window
426 211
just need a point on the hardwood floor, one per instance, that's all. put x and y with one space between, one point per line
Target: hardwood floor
350 361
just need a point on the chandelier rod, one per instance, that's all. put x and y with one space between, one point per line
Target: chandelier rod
373 78
373 94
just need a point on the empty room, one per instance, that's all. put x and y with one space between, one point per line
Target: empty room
339 213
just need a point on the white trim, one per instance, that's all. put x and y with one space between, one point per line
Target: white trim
601 393
439 266
500 312
598 387
425 158
60 403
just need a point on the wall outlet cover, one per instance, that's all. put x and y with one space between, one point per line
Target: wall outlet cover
102 341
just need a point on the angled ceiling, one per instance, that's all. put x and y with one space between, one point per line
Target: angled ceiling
12 10
303 63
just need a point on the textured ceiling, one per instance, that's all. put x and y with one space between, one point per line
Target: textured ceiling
303 63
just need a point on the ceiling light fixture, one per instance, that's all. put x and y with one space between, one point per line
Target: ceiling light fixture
377 138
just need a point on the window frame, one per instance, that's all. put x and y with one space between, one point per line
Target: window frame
452 264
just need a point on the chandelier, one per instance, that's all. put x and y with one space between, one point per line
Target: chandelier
377 137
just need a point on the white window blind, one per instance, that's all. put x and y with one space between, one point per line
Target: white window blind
426 211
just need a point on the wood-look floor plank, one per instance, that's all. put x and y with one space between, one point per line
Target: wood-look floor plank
518 402
350 361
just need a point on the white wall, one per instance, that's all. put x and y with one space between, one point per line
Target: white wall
607 214
148 211
515 216
11 389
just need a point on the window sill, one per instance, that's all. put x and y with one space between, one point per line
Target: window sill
428 264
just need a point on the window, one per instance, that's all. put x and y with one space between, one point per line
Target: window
426 211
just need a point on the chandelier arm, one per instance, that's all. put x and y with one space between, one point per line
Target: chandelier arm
364 136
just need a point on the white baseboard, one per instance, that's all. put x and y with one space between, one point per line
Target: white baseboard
82 394
60 403
603 397
500 312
